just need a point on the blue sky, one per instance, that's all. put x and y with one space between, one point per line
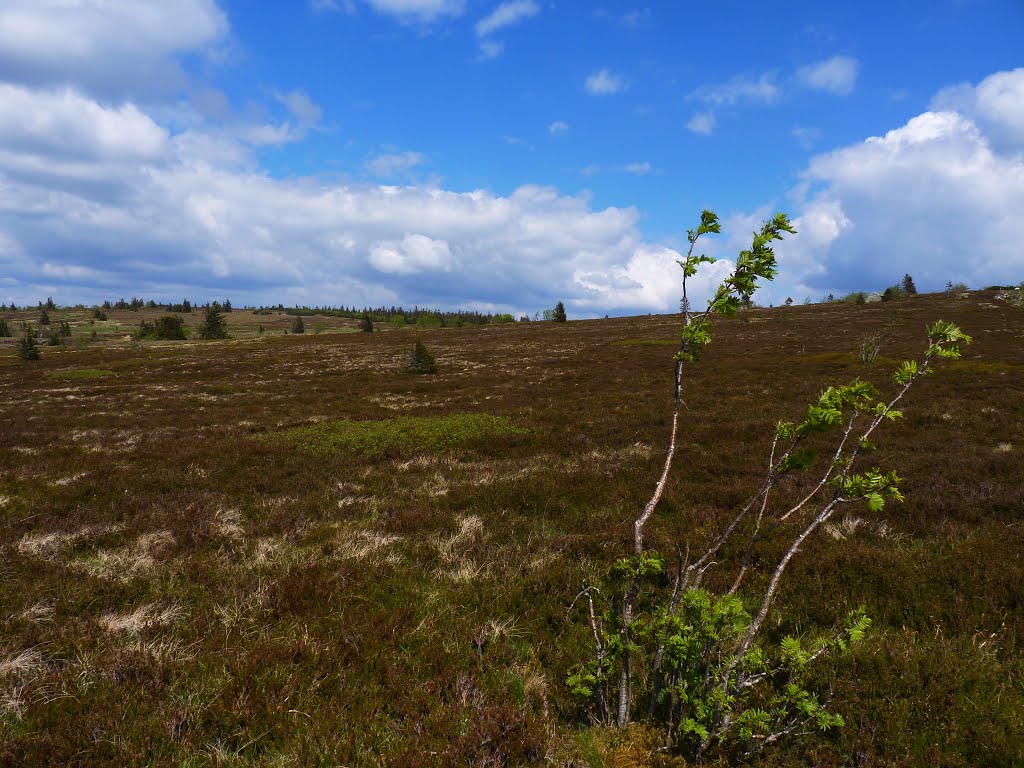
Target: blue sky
501 155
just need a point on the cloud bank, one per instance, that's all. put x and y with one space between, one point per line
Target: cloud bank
939 197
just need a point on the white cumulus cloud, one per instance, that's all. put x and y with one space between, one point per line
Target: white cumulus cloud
740 89
997 103
835 75
505 15
637 169
702 122
604 82
104 46
422 11
98 201
389 165
414 253
932 198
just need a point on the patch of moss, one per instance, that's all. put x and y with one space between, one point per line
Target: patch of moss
646 343
80 373
406 434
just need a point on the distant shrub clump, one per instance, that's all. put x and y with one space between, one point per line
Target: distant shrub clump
298 326
407 434
366 324
421 360
5 330
166 328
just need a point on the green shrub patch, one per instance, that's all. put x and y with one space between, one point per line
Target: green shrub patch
402 435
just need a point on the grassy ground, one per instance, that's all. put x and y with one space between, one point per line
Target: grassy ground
281 550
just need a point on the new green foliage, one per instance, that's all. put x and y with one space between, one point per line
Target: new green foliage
695 660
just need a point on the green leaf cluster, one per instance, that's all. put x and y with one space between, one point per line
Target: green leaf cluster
752 264
872 486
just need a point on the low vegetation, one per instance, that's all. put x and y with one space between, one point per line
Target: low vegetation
401 436
194 574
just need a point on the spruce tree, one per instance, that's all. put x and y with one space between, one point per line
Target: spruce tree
559 316
366 324
421 360
298 326
214 326
27 349
908 285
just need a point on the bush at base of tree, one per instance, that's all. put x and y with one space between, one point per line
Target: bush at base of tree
166 328
892 293
27 348
421 360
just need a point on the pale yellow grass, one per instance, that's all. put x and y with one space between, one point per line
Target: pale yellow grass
140 619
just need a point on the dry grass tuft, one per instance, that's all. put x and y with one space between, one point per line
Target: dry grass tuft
361 543
127 563
39 613
141 619
22 663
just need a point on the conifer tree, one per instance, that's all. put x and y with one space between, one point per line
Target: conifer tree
559 316
298 326
27 348
421 360
908 285
214 326
366 324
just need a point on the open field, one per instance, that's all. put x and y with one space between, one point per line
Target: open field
281 550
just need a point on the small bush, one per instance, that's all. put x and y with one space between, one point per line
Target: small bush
421 360
5 331
298 326
169 327
893 293
366 324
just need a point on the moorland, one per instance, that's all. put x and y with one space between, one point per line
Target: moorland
282 549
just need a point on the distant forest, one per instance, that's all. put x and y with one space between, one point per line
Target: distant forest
394 315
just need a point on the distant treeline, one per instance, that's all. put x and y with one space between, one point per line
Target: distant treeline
394 315
398 315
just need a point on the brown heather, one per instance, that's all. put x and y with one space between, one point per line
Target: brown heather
185 584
